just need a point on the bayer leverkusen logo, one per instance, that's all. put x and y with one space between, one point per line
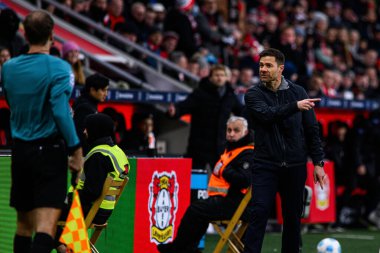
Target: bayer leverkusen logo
163 205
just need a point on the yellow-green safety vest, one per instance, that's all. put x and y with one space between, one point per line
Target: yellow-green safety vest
121 169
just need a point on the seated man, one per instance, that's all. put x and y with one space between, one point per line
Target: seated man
227 186
104 159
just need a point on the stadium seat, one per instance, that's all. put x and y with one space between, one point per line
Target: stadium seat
232 230
110 187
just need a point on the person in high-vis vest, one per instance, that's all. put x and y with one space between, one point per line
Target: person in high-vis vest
228 184
103 159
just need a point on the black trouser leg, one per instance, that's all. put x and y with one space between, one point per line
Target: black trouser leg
197 217
291 188
190 231
264 187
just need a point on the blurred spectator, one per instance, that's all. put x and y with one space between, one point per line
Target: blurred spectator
270 32
345 90
180 60
150 19
212 28
330 86
181 21
315 87
234 77
169 43
129 31
98 11
9 36
5 55
94 92
153 44
70 53
54 51
119 122
246 81
140 140
137 17
160 11
5 128
210 105
114 14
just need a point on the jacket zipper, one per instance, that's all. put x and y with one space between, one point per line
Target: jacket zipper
283 163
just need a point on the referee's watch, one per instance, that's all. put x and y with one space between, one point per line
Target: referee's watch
320 164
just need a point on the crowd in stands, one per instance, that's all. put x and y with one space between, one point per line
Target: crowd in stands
331 46
332 49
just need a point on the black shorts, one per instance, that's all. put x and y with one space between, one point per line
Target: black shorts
39 174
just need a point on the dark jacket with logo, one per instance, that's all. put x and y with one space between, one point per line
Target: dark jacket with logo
284 135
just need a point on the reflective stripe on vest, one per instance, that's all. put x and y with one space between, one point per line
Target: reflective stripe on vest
217 184
120 165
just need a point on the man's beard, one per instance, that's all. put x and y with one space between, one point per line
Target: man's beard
269 84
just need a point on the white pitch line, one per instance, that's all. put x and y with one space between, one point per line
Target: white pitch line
358 237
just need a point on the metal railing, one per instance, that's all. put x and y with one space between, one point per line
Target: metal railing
100 28
158 81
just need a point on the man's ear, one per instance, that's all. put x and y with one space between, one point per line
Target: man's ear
281 68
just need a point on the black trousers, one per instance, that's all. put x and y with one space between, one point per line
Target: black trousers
266 181
196 219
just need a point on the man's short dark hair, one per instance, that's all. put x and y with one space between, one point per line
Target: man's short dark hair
277 54
38 27
96 81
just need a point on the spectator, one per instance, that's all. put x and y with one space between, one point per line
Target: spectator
210 106
153 44
140 140
169 43
9 36
160 11
115 14
5 128
98 11
5 55
94 92
181 61
212 28
181 21
71 53
246 81
137 17
119 123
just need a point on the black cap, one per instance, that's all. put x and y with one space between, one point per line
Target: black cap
99 125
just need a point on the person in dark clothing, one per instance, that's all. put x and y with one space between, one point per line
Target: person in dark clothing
99 163
228 184
95 91
140 140
9 35
210 106
286 130
180 20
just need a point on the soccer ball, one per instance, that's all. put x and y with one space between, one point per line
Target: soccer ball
329 245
